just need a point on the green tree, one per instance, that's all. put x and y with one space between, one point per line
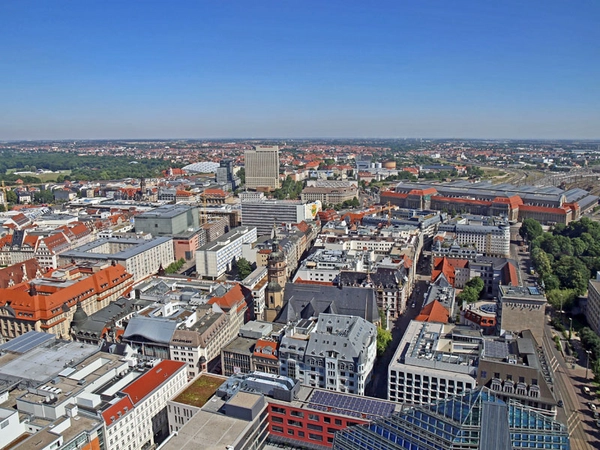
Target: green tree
384 337
530 229
11 197
472 290
241 173
244 267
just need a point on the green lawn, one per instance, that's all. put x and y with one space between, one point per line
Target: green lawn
200 391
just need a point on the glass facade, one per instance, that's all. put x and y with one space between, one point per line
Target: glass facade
461 422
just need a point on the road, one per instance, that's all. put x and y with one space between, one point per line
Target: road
377 387
568 383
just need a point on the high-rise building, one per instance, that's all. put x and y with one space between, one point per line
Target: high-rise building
592 313
522 308
262 167
226 176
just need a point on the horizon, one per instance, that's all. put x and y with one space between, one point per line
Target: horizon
336 70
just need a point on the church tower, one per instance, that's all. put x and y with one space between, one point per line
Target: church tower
277 277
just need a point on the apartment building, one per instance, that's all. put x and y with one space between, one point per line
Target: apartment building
266 214
336 353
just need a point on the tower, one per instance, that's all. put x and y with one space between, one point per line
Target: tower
262 167
276 276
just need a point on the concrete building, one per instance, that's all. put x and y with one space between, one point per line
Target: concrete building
256 283
168 220
433 361
522 308
265 214
262 167
215 258
329 195
592 313
140 257
336 353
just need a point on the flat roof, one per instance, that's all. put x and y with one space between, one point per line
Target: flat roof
47 361
27 342
137 246
164 212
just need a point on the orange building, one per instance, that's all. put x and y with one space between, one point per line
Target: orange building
48 304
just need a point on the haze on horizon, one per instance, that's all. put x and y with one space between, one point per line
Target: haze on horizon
190 69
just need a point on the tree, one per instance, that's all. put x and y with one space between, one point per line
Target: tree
530 229
241 173
174 267
11 196
244 268
472 290
384 337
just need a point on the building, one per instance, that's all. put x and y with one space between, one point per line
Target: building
592 312
276 277
468 421
140 257
225 175
432 362
261 165
168 220
491 240
215 258
266 213
329 195
303 301
548 205
256 283
335 353
49 304
295 416
522 308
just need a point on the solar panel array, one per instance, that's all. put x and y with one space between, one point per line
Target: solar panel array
361 407
26 342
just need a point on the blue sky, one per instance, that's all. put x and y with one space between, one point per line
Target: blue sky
202 69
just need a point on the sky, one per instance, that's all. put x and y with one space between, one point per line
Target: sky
299 69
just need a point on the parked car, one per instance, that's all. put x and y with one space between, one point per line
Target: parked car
586 390
560 404
592 406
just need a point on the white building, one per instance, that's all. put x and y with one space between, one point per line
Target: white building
215 258
132 421
337 352
432 362
257 283
491 240
325 265
140 257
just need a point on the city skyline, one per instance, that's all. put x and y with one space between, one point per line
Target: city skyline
200 70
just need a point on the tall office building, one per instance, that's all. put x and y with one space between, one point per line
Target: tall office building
262 167
226 176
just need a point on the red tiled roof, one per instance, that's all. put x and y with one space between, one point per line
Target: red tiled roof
543 209
233 298
442 265
111 415
143 386
320 283
509 272
433 312
262 343
26 270
461 200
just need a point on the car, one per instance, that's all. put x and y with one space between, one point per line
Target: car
586 390
560 404
413 305
596 415
592 406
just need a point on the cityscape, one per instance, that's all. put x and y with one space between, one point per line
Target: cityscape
302 226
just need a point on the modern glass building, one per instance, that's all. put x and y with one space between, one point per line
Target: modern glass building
475 420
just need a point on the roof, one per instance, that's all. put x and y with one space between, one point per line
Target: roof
117 410
154 329
17 273
234 298
433 312
302 301
143 386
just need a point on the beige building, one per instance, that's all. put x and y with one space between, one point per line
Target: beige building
522 308
329 195
262 167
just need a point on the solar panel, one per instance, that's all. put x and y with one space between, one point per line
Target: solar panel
26 342
361 407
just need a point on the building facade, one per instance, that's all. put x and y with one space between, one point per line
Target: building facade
215 258
262 167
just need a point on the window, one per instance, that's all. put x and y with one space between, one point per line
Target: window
277 429
338 421
315 437
291 432
314 417
277 419
297 414
312 426
327 419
